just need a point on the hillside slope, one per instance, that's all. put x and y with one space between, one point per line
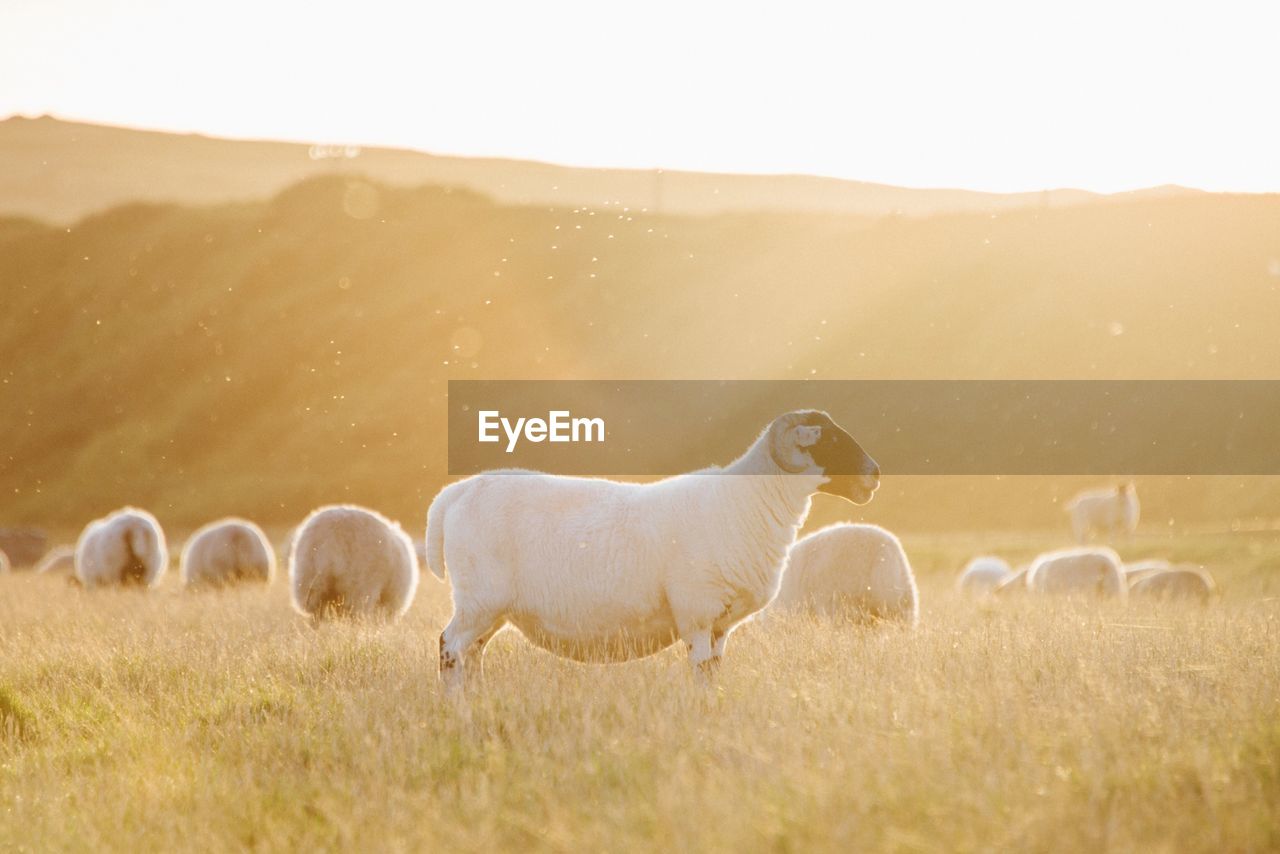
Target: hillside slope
60 171
265 358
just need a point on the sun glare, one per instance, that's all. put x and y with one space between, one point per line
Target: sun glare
988 96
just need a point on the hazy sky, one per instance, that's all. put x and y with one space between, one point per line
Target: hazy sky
998 96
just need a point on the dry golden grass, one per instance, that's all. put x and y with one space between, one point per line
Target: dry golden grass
176 721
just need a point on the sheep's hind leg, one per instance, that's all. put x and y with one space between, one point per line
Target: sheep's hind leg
719 640
473 658
462 646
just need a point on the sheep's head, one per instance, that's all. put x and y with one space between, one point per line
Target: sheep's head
809 441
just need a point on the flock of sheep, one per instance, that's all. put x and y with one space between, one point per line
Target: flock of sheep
599 570
1096 570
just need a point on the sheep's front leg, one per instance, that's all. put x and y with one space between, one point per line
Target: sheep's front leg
701 653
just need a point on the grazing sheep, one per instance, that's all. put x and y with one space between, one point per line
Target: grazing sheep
1180 582
853 571
61 559
4 563
598 570
1104 513
982 575
124 548
227 552
1083 571
349 561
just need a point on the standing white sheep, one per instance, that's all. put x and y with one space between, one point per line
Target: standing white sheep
60 559
1082 572
597 570
348 561
858 572
982 575
225 552
125 548
1104 513
5 566
1179 582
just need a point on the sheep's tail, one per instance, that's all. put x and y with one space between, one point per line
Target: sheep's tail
435 528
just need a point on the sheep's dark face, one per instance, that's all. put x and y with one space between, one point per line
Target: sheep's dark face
850 471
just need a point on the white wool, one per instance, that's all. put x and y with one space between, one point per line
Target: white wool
5 565
598 570
228 551
1179 582
1081 572
124 548
1104 513
982 575
347 560
852 571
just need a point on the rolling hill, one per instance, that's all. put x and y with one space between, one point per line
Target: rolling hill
60 171
263 358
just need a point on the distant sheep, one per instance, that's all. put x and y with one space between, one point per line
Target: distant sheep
5 566
1081 572
982 575
126 548
60 559
349 561
598 570
857 572
1104 513
226 552
1180 582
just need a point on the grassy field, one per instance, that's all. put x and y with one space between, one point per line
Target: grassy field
176 721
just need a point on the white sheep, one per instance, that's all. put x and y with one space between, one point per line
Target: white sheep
598 570
60 559
857 572
1104 513
5 565
349 561
982 575
225 552
1179 582
1093 571
125 548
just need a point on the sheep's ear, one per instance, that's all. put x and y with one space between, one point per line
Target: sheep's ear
787 443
